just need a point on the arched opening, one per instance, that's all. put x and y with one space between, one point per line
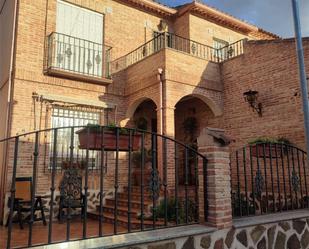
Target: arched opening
192 114
136 104
145 116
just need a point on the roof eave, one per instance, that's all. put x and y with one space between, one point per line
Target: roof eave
224 19
152 6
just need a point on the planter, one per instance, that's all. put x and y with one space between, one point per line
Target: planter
93 140
136 175
258 151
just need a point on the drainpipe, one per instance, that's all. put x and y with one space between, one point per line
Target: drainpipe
302 71
160 77
9 107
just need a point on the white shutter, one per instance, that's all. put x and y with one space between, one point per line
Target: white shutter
80 41
79 22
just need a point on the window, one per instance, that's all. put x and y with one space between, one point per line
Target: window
78 41
62 117
222 47
159 40
79 22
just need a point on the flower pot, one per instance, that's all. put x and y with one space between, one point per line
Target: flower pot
258 151
136 175
93 140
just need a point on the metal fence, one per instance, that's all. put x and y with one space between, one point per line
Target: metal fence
140 189
269 178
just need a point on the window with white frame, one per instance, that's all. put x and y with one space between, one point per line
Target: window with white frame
78 42
65 117
79 22
220 46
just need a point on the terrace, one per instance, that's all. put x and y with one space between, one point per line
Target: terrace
99 181
179 44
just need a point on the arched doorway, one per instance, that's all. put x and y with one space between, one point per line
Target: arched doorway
192 114
145 116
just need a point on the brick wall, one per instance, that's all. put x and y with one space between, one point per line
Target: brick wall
271 69
204 31
125 30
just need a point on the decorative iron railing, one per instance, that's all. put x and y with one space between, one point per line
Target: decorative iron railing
269 178
181 44
147 49
80 56
135 187
230 51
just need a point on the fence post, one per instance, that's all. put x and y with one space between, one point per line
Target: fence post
214 146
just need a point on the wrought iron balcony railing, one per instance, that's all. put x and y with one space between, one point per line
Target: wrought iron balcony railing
181 44
78 56
230 51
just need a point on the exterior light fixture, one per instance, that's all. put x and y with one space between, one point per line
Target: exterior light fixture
252 98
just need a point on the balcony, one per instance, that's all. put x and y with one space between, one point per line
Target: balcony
78 59
180 44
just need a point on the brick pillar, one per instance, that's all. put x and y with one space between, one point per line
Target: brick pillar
212 144
169 131
169 121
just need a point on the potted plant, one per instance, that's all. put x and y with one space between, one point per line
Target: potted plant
170 204
141 123
91 138
190 126
137 164
80 165
265 146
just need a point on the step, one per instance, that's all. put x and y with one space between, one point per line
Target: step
137 189
134 222
135 196
120 210
124 203
123 221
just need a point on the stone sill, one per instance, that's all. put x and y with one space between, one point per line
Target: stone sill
132 239
270 218
78 77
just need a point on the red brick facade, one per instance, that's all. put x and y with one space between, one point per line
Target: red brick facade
214 91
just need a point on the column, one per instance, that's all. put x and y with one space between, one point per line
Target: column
213 144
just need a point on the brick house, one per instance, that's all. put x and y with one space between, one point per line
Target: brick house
174 71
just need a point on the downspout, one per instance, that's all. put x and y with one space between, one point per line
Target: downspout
10 106
162 122
160 77
302 70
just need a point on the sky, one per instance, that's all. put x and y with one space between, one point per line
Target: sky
272 15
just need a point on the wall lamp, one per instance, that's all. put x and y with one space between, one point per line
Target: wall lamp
252 98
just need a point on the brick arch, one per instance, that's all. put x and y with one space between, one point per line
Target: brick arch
132 106
212 104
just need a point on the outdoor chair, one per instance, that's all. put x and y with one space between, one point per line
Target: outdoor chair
22 202
71 194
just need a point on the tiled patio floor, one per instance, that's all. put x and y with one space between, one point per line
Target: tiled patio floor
40 232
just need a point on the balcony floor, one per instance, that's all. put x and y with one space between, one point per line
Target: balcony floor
40 232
